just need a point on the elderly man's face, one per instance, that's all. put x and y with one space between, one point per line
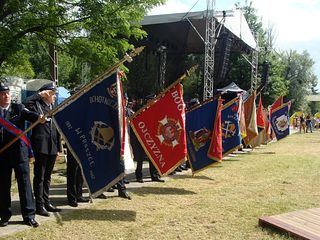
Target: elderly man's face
51 96
5 98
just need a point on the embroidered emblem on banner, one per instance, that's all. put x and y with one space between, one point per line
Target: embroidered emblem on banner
112 90
228 129
282 123
169 131
200 138
102 136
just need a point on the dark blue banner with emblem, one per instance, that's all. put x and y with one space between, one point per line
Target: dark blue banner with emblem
231 138
199 126
279 121
90 125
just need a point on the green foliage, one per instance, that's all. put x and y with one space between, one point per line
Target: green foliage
277 84
193 84
298 71
290 74
92 31
17 65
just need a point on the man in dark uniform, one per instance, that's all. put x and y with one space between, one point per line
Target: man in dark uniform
46 145
74 181
15 157
74 176
139 155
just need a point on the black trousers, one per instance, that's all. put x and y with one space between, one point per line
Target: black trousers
43 167
139 156
22 173
121 186
152 170
74 179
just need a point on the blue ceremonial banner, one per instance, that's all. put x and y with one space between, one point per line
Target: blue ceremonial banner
91 125
199 126
279 121
231 137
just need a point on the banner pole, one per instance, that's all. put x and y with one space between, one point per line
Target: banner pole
126 58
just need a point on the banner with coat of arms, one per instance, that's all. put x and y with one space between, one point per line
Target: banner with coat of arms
92 126
280 121
202 127
160 128
231 137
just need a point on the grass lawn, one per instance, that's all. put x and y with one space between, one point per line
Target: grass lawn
223 202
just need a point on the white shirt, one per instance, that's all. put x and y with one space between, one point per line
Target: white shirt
2 109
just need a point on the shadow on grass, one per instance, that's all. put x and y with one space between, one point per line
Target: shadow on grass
191 177
230 160
263 153
160 191
100 215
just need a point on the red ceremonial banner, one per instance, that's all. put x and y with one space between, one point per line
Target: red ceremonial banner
160 128
276 104
260 115
215 149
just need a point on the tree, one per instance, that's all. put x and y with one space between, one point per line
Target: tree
299 73
94 31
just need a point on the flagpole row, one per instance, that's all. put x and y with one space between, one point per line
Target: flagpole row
126 58
186 74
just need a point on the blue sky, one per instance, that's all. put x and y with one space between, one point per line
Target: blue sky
294 21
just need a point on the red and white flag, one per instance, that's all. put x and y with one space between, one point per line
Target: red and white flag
160 128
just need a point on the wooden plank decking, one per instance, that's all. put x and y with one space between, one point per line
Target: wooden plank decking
304 224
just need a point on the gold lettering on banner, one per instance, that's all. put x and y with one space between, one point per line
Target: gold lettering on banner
178 100
86 148
151 143
103 100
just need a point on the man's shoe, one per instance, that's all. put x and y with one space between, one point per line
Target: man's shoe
73 204
50 208
31 222
4 223
140 180
102 196
110 190
42 212
183 167
124 194
82 199
157 180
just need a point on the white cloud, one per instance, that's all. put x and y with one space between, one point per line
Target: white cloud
296 23
294 20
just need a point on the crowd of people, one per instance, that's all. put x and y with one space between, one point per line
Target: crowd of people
306 123
46 146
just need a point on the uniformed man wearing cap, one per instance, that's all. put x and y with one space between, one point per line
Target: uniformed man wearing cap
46 144
13 116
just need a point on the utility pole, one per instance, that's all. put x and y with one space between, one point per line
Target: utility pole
53 57
53 54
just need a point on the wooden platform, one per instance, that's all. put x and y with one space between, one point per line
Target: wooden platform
303 224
